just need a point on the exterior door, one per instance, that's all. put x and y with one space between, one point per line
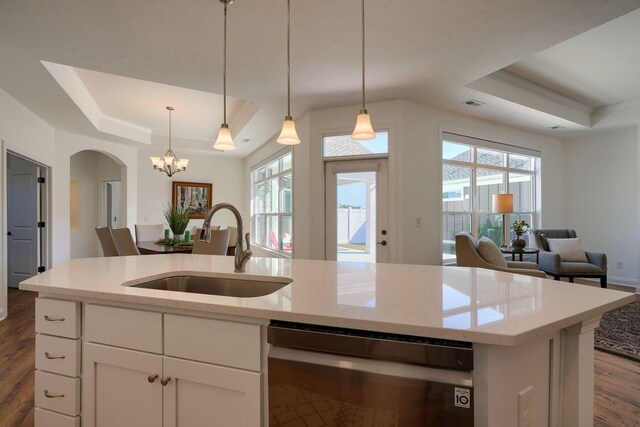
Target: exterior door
356 217
23 200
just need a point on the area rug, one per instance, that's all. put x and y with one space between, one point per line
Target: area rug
619 332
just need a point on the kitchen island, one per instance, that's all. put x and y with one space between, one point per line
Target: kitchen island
532 338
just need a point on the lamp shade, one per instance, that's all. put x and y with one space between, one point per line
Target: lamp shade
224 141
502 203
363 130
288 135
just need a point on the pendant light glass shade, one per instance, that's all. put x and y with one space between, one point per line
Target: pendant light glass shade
363 130
224 141
169 163
288 135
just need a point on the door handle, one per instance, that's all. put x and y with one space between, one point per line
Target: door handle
8 233
382 243
165 380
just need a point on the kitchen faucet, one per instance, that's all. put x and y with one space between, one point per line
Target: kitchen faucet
241 256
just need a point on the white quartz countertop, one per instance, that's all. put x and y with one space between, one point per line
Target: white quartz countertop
457 303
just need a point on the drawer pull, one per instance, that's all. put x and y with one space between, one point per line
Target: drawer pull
53 319
165 380
52 395
53 356
152 378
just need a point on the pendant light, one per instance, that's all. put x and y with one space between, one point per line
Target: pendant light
363 130
169 163
288 135
224 141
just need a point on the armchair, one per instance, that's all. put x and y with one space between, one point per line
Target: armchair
468 256
552 262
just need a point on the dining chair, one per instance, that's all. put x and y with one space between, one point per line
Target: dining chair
124 242
195 231
216 246
106 241
148 232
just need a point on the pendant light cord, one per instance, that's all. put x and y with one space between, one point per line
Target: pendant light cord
289 59
224 72
363 100
169 127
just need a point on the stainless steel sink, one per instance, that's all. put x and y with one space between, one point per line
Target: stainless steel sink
241 288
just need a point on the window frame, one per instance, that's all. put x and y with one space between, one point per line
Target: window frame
279 213
474 211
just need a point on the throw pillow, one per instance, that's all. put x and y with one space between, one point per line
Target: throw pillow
570 250
491 253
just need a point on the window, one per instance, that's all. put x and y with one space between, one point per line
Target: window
272 205
473 171
345 146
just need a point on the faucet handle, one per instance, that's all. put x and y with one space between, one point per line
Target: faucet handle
246 239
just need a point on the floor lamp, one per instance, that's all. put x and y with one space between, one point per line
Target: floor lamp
503 204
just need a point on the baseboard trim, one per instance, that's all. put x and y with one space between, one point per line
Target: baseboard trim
620 281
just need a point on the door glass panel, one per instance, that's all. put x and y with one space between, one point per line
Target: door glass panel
356 216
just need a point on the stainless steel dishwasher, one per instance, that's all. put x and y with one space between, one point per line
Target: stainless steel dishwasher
330 376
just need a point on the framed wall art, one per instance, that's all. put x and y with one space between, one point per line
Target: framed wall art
195 197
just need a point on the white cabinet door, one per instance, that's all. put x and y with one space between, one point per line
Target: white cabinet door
199 394
116 390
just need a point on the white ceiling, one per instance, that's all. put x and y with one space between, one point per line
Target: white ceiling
423 51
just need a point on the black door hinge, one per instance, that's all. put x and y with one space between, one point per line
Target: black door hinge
40 180
41 269
40 224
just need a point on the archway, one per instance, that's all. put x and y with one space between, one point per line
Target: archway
97 198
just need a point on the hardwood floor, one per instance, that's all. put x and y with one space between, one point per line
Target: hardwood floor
617 380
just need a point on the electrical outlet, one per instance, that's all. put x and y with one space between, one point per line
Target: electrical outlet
619 265
525 410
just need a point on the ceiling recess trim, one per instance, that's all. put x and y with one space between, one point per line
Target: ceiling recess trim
72 84
507 86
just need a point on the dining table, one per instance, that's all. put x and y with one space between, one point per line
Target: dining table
153 248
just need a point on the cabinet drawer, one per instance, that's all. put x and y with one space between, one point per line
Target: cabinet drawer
58 355
44 418
214 341
56 385
58 317
121 327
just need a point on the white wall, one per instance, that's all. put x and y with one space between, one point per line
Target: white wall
224 173
92 169
602 198
26 134
68 144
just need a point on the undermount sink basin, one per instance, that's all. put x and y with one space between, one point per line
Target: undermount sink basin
241 287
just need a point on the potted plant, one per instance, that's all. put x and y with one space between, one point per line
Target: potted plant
177 219
520 227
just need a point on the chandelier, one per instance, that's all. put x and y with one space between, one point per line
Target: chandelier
169 163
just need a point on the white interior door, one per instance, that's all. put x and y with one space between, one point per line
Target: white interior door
113 192
22 219
357 211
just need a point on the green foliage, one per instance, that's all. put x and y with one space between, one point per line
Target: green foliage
177 218
520 227
492 230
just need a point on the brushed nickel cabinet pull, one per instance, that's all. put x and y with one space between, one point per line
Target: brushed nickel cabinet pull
52 395
152 378
53 356
165 380
53 319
